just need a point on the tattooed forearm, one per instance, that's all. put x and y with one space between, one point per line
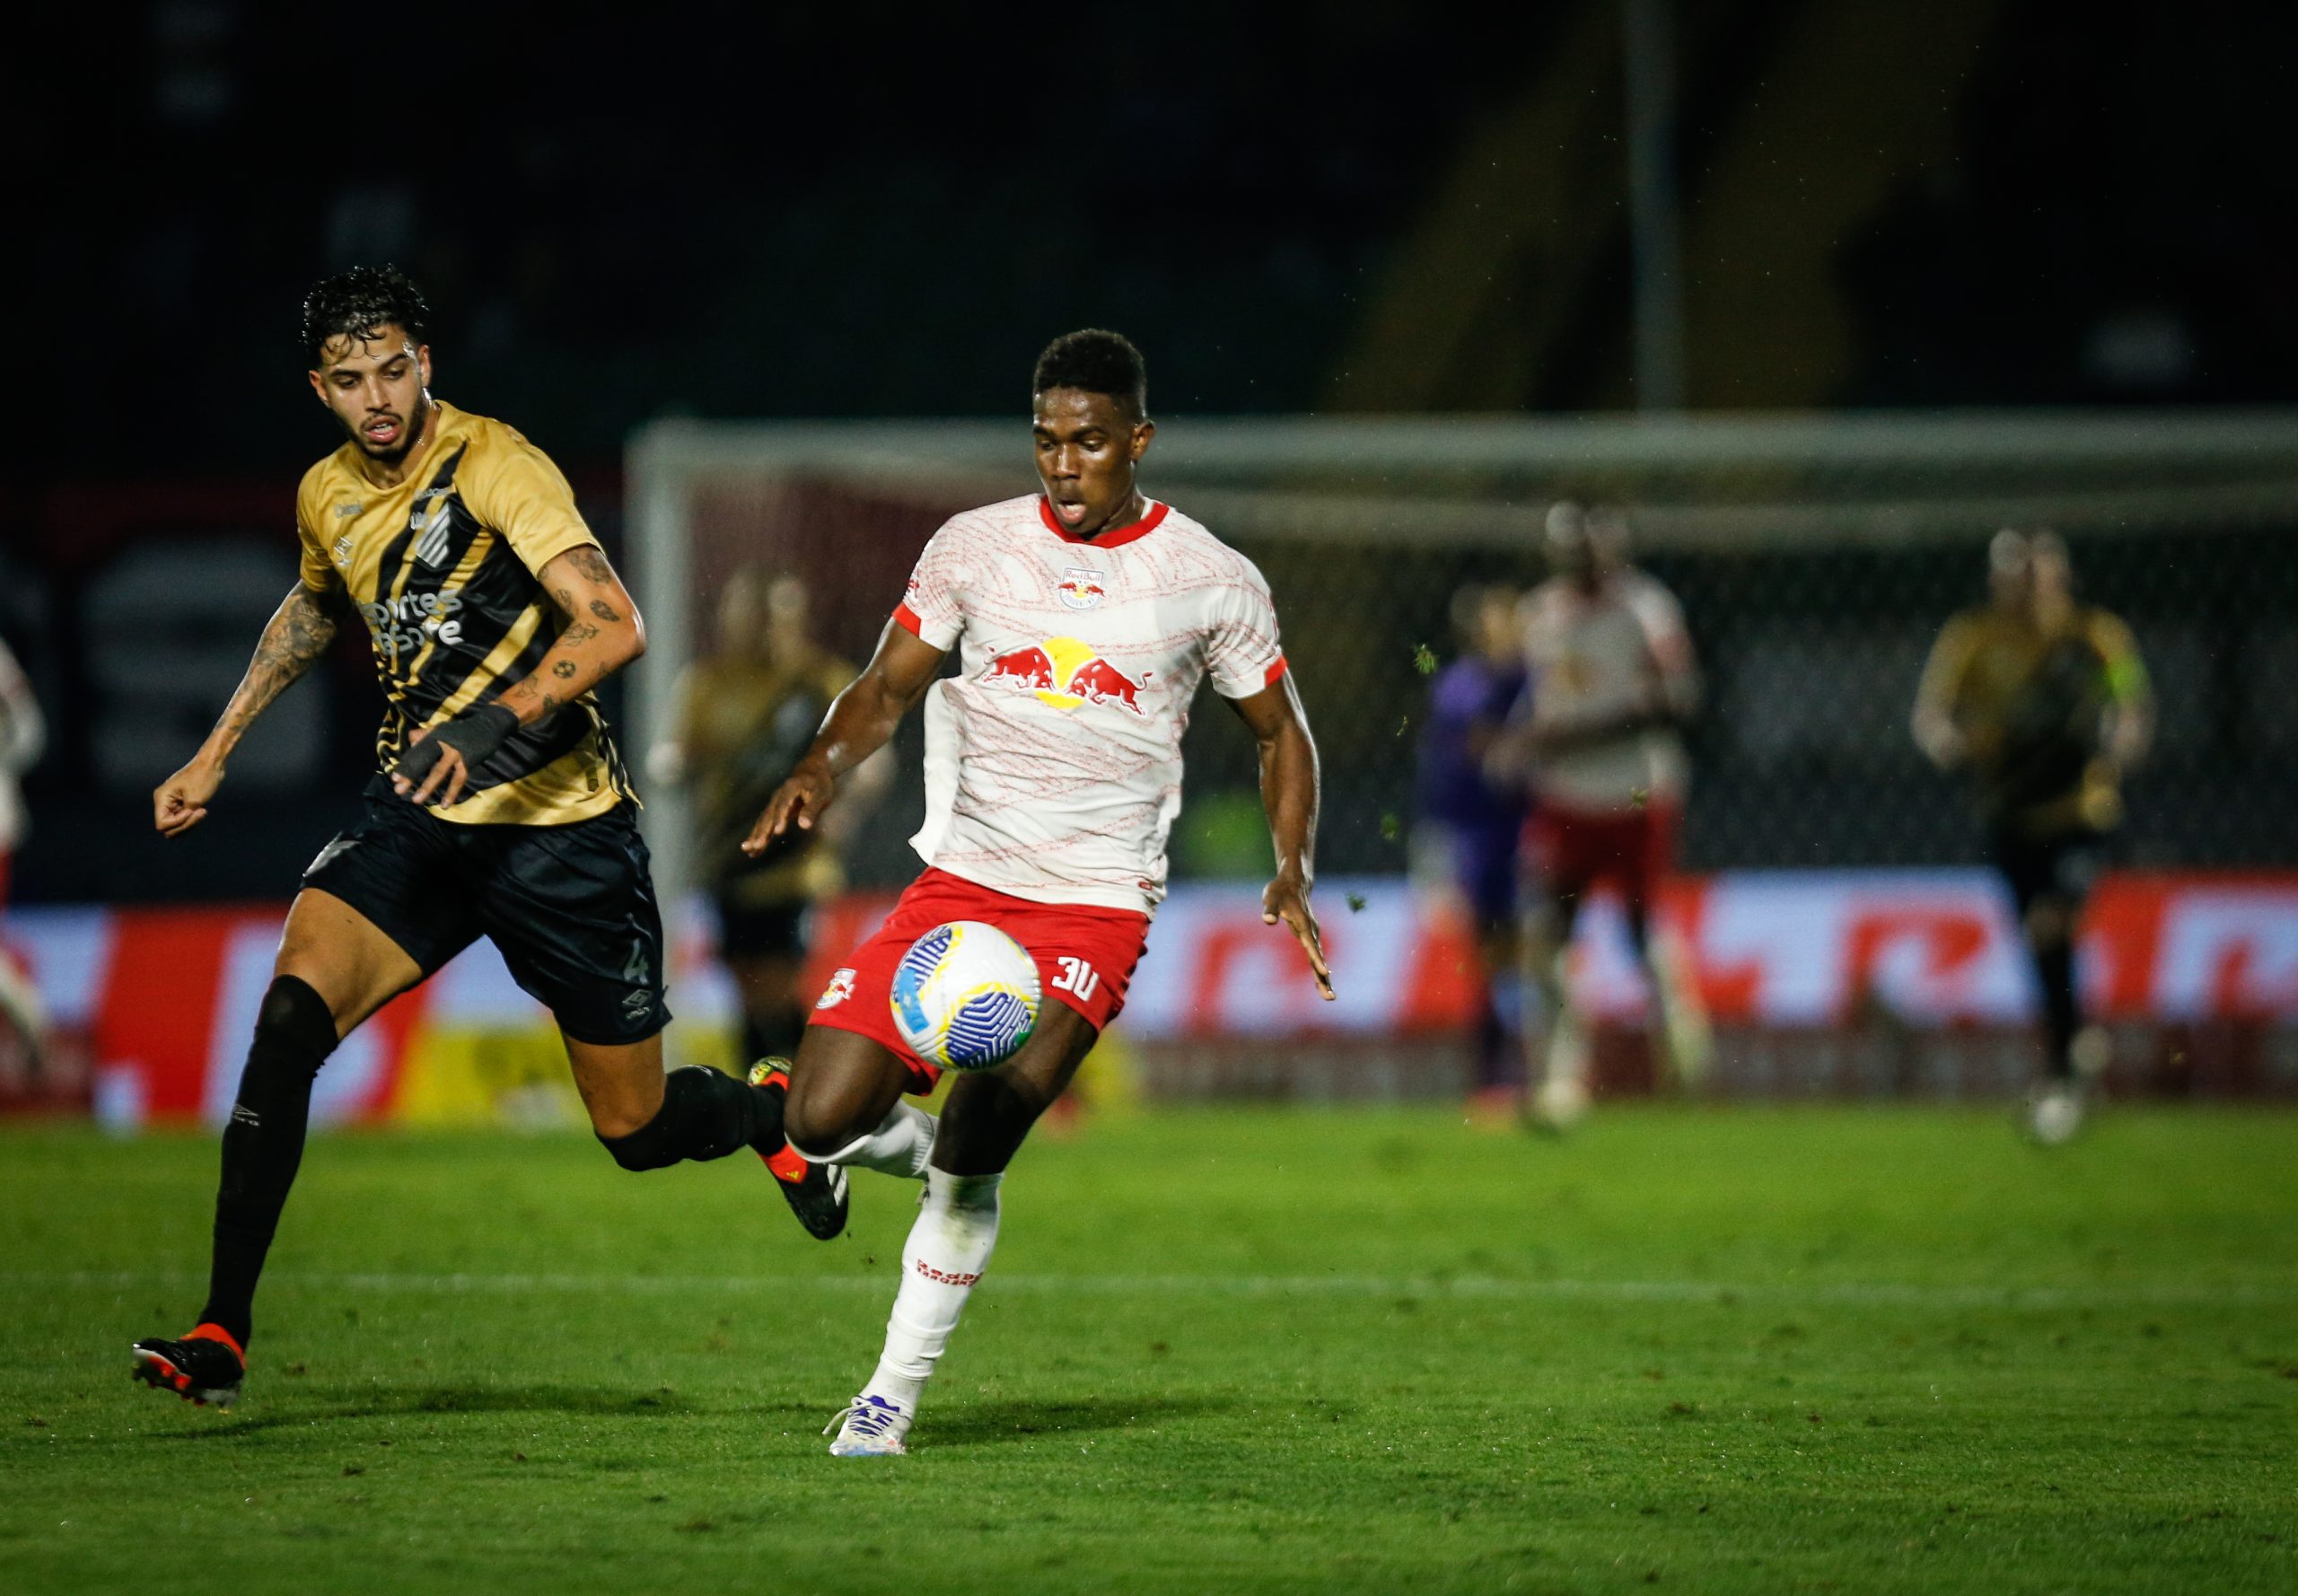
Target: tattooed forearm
601 635
297 634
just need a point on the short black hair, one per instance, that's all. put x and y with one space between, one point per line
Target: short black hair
353 303
1096 362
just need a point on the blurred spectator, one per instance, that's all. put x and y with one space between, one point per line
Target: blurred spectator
1466 842
2046 703
23 734
746 713
1613 681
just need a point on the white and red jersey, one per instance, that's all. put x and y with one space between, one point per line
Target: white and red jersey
1053 758
1617 651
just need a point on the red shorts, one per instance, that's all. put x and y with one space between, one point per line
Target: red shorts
1084 955
1577 851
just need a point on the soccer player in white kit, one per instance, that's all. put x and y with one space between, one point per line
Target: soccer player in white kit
1612 682
1085 616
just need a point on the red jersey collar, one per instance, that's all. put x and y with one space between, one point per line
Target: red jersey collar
1116 538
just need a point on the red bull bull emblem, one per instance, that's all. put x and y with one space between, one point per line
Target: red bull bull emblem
1067 674
1080 589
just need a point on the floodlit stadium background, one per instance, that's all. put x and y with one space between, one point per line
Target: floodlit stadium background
1384 330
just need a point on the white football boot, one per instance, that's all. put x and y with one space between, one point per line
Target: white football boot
870 1426
1561 1100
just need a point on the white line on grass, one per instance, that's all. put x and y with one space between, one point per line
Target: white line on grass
1480 1287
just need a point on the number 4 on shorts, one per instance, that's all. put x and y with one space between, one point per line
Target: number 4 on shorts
1076 975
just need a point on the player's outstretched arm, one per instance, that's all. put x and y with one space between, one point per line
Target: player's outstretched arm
861 721
603 634
297 634
1289 793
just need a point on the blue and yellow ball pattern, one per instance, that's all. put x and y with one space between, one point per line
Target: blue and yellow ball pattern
966 996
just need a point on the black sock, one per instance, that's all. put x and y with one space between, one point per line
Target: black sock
2062 1011
263 1145
705 1115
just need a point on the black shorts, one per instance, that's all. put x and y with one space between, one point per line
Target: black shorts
2064 865
571 909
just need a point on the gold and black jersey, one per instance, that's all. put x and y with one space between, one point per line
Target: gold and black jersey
744 724
444 567
2031 701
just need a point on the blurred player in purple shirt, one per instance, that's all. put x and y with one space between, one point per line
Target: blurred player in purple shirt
1465 841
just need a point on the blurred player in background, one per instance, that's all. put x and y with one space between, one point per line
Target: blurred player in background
24 736
2044 701
746 713
1471 826
1086 616
498 808
1613 684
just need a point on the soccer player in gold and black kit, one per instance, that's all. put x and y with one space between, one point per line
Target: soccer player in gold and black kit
499 809
2044 701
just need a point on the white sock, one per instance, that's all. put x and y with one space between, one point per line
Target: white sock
900 1146
947 1250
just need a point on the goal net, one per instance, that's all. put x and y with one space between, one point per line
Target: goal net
1815 560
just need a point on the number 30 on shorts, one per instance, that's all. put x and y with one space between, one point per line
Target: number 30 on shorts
1076 977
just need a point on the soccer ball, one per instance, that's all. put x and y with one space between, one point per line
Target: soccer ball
966 996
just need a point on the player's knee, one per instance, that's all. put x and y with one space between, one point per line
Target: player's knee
294 1032
818 1129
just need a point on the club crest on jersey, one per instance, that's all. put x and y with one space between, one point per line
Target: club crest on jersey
1080 589
1067 674
840 988
433 528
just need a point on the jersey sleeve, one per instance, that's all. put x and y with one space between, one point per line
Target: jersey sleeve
317 571
1243 655
933 606
516 489
1656 610
1942 686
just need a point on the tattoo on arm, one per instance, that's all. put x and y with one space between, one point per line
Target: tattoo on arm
577 634
591 563
298 634
606 611
562 669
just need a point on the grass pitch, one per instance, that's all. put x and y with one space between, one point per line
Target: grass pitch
1233 1350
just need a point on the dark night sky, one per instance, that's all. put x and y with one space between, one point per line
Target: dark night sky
812 211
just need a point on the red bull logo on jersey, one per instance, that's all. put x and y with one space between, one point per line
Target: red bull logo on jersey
1080 589
1067 674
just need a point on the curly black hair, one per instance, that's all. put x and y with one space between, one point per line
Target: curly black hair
1096 362
353 303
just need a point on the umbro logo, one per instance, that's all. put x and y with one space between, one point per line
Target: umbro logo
345 511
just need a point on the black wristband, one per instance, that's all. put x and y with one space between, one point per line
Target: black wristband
475 733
